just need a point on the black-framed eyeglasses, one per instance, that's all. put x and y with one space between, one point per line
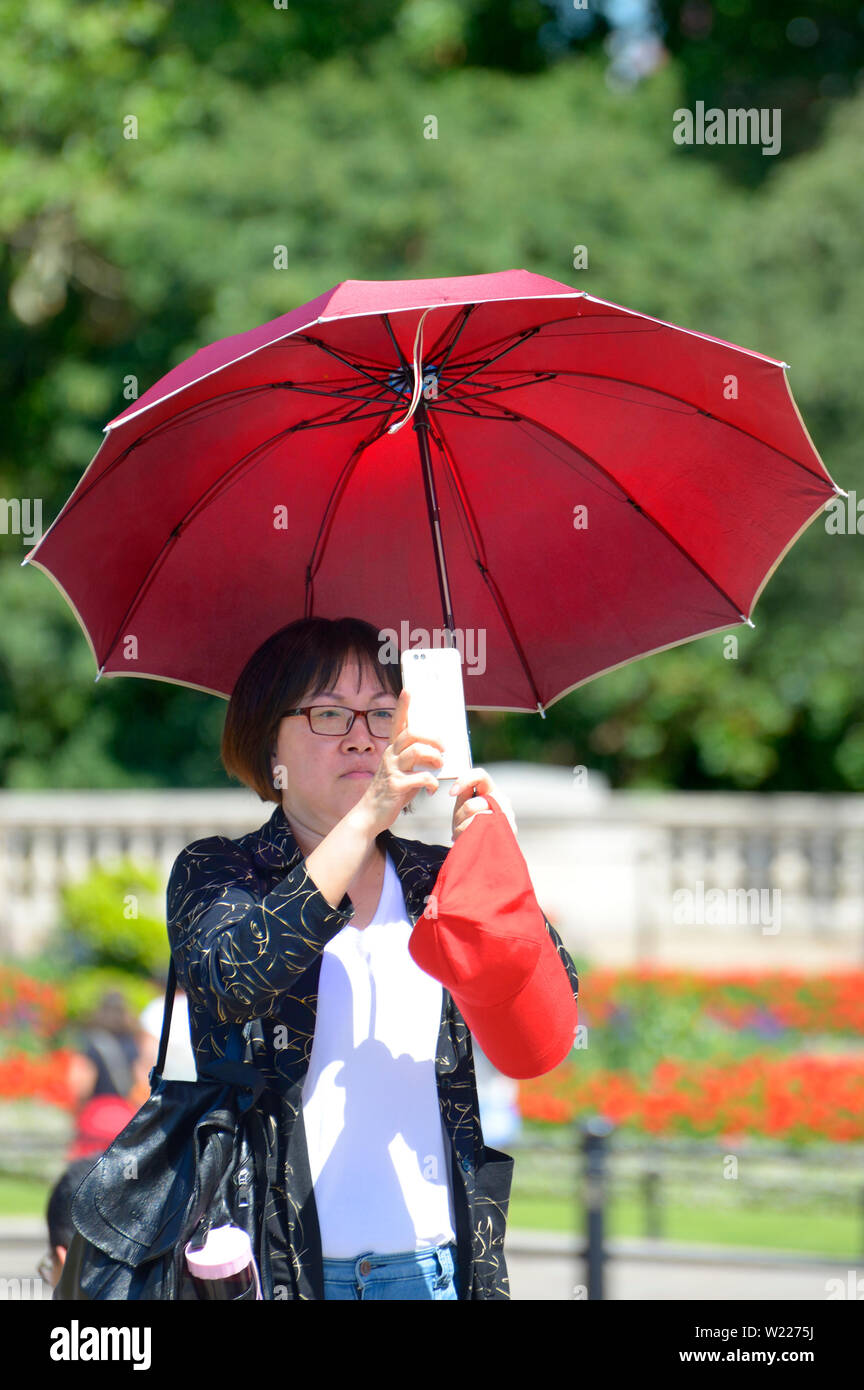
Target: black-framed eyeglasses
334 721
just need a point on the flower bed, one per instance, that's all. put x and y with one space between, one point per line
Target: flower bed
29 1009
679 1052
659 1060
766 1001
46 1077
798 1099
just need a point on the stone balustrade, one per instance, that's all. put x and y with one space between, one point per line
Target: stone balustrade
708 880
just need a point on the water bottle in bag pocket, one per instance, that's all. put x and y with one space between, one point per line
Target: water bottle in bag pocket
224 1267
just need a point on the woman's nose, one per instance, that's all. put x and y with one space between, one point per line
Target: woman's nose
359 733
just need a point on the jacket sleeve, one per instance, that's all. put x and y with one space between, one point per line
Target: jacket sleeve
234 951
564 957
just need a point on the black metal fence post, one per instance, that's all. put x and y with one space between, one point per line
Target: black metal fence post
651 1196
595 1132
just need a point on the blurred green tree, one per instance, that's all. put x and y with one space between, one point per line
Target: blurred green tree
800 59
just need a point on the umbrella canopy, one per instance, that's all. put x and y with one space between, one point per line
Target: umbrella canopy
564 483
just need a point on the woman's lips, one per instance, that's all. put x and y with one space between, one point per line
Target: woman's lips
356 774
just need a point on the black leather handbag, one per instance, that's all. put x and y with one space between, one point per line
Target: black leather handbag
194 1156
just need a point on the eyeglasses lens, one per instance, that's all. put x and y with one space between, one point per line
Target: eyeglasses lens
334 720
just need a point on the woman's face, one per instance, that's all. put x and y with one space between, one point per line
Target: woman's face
320 781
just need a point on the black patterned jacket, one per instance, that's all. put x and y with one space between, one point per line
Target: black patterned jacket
247 927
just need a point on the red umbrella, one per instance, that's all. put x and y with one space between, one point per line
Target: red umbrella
563 483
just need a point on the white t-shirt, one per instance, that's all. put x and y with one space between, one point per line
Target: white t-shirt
378 1149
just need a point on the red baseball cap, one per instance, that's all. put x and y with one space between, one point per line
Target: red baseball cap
484 936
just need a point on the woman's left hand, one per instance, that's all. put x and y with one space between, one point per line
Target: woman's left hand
470 802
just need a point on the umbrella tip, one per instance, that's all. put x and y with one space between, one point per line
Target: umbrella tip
748 621
98 673
542 710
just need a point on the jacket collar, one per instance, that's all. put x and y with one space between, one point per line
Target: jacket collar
274 847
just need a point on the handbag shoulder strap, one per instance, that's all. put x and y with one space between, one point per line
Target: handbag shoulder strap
166 1018
234 1050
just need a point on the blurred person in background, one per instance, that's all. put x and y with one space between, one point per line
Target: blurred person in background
105 1076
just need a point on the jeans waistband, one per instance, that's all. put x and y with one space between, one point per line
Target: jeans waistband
376 1260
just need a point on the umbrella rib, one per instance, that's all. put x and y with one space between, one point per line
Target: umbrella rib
490 391
481 366
153 433
568 444
467 413
480 558
590 333
624 381
385 319
657 390
350 414
328 516
346 361
699 410
182 416
355 366
521 337
219 486
467 310
470 515
346 394
434 349
340 420
522 334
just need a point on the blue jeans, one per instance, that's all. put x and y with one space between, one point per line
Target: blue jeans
410 1274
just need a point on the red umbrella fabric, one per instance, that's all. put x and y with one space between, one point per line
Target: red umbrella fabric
565 483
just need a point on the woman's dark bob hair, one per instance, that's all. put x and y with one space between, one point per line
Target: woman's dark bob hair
301 659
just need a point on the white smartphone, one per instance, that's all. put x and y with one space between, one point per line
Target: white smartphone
433 678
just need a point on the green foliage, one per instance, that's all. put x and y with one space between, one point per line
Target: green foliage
113 918
660 1028
85 988
766 53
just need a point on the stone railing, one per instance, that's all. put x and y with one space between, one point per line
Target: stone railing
683 878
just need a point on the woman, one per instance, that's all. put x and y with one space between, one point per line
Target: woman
303 926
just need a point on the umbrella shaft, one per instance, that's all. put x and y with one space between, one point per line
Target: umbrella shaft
421 426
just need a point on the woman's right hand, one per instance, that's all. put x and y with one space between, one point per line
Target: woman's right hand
393 786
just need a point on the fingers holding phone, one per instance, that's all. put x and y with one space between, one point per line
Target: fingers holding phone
408 763
411 746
